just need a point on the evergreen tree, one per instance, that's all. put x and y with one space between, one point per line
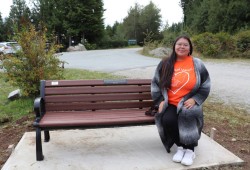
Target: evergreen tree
19 13
131 22
150 20
142 20
2 29
216 15
75 19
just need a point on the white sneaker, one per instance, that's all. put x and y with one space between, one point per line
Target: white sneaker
179 154
188 158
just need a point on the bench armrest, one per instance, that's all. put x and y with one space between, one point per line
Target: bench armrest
39 107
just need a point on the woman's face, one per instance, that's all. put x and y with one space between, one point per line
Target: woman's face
182 48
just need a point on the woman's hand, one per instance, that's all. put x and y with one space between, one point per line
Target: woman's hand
161 106
189 103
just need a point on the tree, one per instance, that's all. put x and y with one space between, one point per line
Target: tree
2 29
116 32
216 15
131 22
34 62
75 19
141 20
119 30
150 20
238 15
19 13
220 16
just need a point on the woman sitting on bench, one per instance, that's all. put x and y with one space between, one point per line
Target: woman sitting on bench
179 87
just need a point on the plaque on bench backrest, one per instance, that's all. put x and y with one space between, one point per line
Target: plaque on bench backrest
54 83
115 81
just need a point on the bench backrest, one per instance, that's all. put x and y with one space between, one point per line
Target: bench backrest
81 95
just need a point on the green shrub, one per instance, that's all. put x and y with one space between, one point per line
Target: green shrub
119 43
34 62
170 36
150 43
169 39
223 45
207 44
243 43
89 46
227 45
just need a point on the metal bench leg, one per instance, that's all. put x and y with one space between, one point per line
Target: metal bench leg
46 136
39 149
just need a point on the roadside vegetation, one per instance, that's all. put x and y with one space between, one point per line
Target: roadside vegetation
208 45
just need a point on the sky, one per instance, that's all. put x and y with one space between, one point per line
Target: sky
116 10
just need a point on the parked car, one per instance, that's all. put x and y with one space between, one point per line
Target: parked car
9 47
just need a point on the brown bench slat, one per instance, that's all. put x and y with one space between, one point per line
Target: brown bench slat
97 97
52 83
117 121
92 115
96 106
96 90
57 119
101 113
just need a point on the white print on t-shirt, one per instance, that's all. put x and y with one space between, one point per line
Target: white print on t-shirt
182 70
179 80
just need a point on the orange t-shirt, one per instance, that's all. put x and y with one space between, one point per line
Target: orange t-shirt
183 80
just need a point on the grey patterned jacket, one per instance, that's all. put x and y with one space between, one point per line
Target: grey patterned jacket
190 121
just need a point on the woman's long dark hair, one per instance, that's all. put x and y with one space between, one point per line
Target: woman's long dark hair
167 69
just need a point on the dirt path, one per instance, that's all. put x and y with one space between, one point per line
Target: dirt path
230 81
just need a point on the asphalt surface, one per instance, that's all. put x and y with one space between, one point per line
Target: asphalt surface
108 60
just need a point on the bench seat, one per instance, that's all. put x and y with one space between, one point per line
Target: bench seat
92 118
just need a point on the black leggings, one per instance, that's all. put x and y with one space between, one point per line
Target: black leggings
170 125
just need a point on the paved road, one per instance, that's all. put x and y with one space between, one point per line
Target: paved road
108 60
230 79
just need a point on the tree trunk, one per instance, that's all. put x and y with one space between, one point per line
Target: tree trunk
83 39
70 41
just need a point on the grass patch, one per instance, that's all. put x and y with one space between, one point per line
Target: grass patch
228 117
11 111
78 74
217 111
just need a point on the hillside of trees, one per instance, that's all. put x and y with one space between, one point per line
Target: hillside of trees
219 24
68 20
216 15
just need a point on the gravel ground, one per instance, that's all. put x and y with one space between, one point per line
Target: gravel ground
230 81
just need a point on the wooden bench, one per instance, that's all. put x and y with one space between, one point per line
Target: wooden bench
73 104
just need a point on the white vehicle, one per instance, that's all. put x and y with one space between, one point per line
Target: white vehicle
9 47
